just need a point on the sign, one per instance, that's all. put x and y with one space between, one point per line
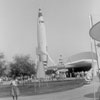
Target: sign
95 32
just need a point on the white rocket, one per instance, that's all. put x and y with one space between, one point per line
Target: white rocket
42 46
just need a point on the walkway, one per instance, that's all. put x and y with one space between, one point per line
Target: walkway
82 93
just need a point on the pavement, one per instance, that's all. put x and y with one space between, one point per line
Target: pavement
86 92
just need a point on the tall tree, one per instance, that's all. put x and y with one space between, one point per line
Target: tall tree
22 66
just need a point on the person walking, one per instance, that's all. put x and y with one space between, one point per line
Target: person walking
14 89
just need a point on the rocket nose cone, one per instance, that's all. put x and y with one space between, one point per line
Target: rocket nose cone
40 13
39 9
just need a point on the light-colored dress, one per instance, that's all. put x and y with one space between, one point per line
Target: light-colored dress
14 88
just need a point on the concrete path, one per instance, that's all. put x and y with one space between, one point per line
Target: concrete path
82 93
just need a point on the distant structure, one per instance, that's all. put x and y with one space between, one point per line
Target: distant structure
41 50
61 63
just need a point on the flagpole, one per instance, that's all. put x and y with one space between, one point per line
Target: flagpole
91 24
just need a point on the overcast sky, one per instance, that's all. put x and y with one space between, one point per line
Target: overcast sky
67 26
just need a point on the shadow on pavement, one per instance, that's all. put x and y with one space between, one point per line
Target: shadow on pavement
91 95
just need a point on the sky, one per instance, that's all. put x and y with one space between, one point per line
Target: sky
67 26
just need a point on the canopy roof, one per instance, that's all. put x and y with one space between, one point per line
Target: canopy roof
81 64
83 56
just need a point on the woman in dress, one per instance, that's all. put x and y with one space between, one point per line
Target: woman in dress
14 89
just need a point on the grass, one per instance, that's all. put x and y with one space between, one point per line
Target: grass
45 87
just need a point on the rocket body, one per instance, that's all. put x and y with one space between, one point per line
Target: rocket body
41 39
42 46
